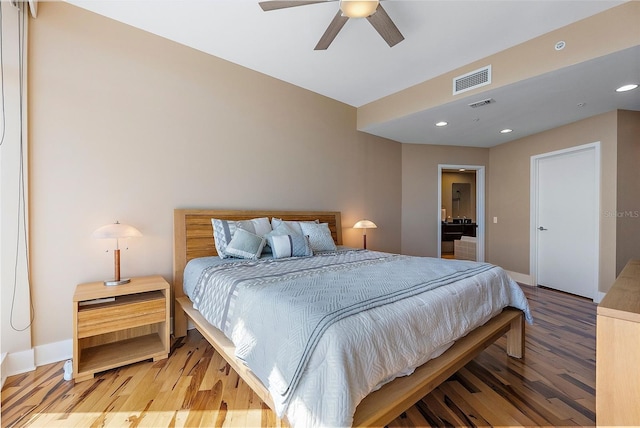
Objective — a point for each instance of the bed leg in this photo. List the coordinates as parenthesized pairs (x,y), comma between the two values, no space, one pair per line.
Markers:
(179,322)
(515,337)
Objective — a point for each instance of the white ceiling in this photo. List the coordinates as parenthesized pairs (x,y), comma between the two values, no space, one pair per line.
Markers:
(359,67)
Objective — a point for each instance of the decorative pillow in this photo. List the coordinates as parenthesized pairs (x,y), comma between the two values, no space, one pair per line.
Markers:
(223,231)
(295,225)
(319,236)
(293,245)
(261,226)
(282,228)
(245,245)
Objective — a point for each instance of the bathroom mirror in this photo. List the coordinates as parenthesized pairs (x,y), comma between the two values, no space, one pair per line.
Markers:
(461,200)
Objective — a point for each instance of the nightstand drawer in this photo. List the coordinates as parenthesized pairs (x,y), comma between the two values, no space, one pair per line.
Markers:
(125,312)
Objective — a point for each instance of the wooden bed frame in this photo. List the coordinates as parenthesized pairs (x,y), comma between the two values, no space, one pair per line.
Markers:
(193,237)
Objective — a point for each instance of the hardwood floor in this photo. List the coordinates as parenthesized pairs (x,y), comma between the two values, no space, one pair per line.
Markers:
(553,386)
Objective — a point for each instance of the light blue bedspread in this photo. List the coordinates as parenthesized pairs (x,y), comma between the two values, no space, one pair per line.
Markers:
(275,311)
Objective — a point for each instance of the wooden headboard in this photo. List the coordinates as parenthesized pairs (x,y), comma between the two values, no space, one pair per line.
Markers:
(193,232)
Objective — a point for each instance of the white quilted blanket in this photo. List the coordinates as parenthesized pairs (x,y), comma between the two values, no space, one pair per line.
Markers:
(323,332)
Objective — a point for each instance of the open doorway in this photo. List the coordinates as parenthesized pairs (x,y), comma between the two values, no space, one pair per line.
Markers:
(461,213)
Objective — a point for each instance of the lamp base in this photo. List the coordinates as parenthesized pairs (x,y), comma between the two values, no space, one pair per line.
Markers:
(118,282)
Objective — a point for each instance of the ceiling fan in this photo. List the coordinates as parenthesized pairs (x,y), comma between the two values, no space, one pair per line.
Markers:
(370,9)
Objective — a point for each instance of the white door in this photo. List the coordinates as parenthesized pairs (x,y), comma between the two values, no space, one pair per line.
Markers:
(567,221)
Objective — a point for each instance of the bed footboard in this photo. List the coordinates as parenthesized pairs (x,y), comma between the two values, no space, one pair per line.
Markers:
(384,405)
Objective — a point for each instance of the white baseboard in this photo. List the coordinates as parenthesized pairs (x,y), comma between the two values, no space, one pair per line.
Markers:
(528,280)
(3,372)
(521,278)
(17,363)
(53,352)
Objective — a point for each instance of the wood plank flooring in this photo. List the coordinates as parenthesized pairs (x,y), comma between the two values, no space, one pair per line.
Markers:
(553,386)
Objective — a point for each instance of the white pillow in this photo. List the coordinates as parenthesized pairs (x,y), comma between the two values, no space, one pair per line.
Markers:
(261,226)
(245,245)
(282,228)
(295,225)
(223,231)
(319,236)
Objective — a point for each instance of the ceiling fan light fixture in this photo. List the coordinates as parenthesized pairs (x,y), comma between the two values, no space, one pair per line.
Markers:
(358,8)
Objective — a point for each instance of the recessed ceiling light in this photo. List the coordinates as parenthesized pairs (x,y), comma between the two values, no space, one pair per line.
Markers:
(462,170)
(626,88)
(581,104)
(506,131)
(442,123)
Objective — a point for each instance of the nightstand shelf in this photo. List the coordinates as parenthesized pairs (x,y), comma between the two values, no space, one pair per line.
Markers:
(117,354)
(131,325)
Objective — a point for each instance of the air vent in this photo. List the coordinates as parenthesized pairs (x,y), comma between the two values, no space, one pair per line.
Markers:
(469,81)
(482,103)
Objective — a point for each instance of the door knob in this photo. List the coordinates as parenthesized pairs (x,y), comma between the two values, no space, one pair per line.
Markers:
(542,228)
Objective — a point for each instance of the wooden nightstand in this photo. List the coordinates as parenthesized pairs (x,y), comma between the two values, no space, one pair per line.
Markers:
(131,325)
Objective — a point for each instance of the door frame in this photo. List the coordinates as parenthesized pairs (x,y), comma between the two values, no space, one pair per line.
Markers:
(533,206)
(480,204)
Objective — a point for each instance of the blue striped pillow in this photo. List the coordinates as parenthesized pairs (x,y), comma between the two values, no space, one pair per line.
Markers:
(293,245)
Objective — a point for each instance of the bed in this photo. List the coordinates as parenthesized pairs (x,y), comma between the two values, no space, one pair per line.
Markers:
(193,236)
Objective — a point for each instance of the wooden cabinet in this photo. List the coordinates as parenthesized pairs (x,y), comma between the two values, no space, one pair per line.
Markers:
(451,232)
(618,351)
(454,231)
(118,325)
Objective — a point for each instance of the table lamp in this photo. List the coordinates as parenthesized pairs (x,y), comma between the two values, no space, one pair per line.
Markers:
(116,231)
(364,225)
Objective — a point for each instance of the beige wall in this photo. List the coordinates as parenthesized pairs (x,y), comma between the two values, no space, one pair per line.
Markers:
(128,126)
(628,192)
(420,209)
(509,184)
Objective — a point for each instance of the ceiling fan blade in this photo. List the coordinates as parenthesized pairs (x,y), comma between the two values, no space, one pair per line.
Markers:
(274,5)
(332,31)
(385,27)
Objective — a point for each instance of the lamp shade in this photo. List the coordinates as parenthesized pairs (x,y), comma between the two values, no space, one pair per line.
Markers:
(365,224)
(358,8)
(116,231)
